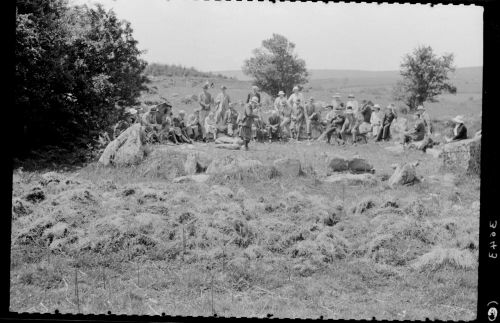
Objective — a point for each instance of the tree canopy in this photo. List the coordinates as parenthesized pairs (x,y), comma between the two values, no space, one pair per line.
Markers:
(425,76)
(275,67)
(77,68)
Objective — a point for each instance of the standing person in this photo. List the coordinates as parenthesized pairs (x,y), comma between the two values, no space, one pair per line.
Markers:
(460,131)
(231,120)
(376,120)
(351,101)
(280,103)
(385,131)
(285,112)
(426,118)
(247,121)
(205,101)
(222,105)
(418,131)
(296,95)
(273,128)
(336,101)
(311,117)
(254,93)
(298,118)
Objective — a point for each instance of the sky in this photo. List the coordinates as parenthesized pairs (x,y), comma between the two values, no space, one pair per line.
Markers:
(220,35)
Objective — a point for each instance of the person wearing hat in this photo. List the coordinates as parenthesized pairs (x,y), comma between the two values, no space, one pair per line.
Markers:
(311,117)
(280,102)
(247,121)
(298,118)
(273,128)
(366,110)
(353,103)
(335,120)
(206,101)
(348,127)
(459,131)
(222,105)
(122,125)
(417,133)
(336,100)
(294,96)
(376,120)
(182,124)
(210,126)
(426,118)
(384,132)
(255,92)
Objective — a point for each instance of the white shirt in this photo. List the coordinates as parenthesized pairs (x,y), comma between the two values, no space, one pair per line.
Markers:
(293,98)
(354,104)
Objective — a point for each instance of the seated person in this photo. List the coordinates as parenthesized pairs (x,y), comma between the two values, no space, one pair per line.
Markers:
(460,131)
(334,121)
(417,133)
(177,131)
(232,120)
(152,125)
(193,126)
(273,127)
(167,131)
(210,125)
(182,123)
(350,125)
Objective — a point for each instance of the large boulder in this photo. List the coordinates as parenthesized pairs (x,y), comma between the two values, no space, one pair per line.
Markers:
(229,140)
(463,155)
(230,164)
(288,166)
(434,152)
(125,150)
(352,179)
(354,165)
(404,174)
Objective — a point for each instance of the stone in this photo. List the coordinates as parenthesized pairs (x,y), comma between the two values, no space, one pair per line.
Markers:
(226,164)
(337,164)
(229,140)
(463,156)
(20,208)
(196,162)
(228,146)
(434,152)
(404,174)
(360,165)
(198,178)
(36,195)
(352,179)
(397,149)
(288,166)
(51,177)
(447,180)
(125,150)
(221,191)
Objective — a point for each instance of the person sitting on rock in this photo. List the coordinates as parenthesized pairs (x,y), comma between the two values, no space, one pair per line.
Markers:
(231,120)
(273,127)
(177,131)
(183,124)
(167,131)
(122,125)
(210,125)
(426,119)
(349,126)
(417,133)
(385,130)
(460,131)
(335,120)
(152,126)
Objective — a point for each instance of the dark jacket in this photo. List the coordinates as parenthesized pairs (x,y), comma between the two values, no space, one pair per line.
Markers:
(461,133)
(388,118)
(251,95)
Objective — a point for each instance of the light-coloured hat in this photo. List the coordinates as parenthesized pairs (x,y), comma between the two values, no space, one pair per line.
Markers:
(336,95)
(351,96)
(255,87)
(295,88)
(458,119)
(182,112)
(132,111)
(281,93)
(255,99)
(376,106)
(420,108)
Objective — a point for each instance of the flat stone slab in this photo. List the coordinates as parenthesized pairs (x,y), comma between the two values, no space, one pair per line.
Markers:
(199,178)
(436,153)
(352,179)
(398,149)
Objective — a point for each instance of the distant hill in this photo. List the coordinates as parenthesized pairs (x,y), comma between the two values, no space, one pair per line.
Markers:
(157,69)
(465,78)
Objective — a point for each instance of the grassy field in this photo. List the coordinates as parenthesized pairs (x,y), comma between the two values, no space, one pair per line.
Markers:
(131,241)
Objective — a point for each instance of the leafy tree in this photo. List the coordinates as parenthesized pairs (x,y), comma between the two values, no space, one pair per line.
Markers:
(275,67)
(425,76)
(77,68)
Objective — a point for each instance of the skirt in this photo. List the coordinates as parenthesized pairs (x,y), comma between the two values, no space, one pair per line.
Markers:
(246,133)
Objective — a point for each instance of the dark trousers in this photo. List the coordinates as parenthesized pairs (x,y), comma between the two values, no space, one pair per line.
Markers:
(331,130)
(384,132)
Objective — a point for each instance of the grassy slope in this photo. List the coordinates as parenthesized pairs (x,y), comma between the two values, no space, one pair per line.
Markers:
(271,249)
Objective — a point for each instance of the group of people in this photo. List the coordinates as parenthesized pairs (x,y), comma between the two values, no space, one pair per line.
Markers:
(289,118)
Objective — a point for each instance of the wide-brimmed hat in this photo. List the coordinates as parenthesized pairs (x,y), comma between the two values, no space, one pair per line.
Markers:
(132,111)
(376,106)
(420,108)
(255,87)
(350,96)
(458,119)
(182,112)
(336,95)
(295,88)
(255,99)
(281,93)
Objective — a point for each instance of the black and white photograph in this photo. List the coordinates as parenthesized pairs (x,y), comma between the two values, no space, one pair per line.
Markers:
(247,159)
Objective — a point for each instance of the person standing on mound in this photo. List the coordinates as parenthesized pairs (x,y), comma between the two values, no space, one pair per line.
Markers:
(247,121)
